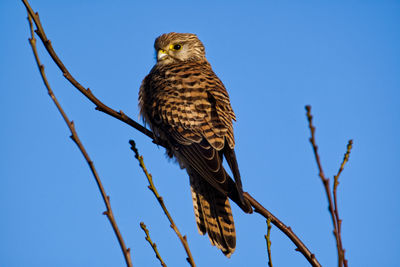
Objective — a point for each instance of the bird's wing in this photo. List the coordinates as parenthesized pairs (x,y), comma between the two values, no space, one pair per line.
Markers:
(190,105)
(192,100)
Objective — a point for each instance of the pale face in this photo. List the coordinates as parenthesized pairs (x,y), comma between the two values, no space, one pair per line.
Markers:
(175,51)
(178,47)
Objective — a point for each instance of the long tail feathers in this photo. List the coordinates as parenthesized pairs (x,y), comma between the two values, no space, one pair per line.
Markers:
(213,215)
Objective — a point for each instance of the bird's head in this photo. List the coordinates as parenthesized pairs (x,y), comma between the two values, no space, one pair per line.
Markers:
(178,47)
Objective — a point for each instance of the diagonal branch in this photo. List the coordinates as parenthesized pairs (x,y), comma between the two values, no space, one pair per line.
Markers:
(74,136)
(285,229)
(124,118)
(160,200)
(86,92)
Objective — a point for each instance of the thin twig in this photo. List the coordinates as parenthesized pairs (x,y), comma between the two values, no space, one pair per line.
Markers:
(325,182)
(268,240)
(285,229)
(75,138)
(335,185)
(160,200)
(153,245)
(124,118)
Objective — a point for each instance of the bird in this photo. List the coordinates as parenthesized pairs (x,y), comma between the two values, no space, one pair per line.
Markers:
(188,109)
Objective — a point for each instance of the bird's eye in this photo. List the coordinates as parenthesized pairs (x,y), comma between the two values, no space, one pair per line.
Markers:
(176,47)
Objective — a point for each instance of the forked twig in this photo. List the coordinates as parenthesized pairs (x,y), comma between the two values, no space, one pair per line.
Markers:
(77,141)
(160,200)
(152,244)
(268,240)
(332,205)
(124,118)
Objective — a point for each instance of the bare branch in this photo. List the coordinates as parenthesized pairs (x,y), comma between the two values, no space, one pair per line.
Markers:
(86,92)
(75,138)
(268,240)
(285,229)
(325,182)
(160,200)
(335,185)
(153,245)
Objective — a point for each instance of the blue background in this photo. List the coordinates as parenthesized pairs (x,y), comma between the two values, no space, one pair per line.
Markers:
(341,57)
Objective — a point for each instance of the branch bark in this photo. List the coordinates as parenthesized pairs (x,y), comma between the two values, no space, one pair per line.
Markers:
(285,229)
(268,240)
(160,200)
(74,136)
(152,244)
(335,185)
(332,205)
(120,115)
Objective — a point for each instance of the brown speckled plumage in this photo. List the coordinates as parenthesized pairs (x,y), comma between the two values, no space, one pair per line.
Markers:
(188,108)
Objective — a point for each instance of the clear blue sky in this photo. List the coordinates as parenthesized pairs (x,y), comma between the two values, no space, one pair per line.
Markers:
(343,58)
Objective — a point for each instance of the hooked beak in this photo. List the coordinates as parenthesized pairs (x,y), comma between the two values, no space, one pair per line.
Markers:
(161,54)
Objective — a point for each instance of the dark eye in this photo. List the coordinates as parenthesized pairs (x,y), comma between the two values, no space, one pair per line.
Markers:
(177,47)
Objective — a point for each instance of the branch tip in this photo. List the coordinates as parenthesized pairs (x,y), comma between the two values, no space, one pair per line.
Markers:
(281,226)
(268,240)
(152,244)
(161,202)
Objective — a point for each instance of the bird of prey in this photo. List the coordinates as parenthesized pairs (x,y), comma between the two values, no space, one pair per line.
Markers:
(188,109)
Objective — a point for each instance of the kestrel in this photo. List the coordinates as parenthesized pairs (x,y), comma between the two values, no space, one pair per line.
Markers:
(188,109)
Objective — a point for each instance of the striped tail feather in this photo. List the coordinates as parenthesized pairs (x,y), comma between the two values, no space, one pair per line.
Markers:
(213,215)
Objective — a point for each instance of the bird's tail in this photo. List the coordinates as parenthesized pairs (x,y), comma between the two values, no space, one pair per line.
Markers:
(213,215)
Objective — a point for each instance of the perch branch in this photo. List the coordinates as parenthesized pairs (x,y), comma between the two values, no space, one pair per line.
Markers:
(77,141)
(153,245)
(285,229)
(268,240)
(86,92)
(124,118)
(160,200)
